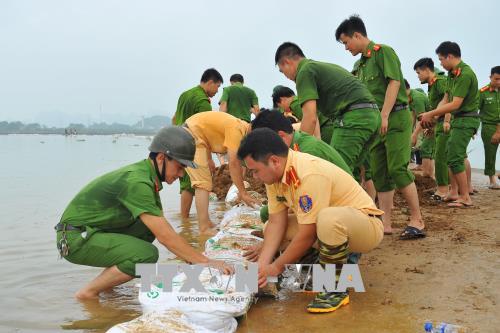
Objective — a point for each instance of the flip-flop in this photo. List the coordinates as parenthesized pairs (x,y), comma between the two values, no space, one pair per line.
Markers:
(494,187)
(412,233)
(446,199)
(473,192)
(437,197)
(459,204)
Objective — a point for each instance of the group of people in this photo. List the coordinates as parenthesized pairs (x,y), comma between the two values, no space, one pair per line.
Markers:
(326,156)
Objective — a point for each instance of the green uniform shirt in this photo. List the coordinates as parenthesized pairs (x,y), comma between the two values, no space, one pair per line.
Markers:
(462,82)
(333,87)
(297,112)
(418,101)
(116,199)
(191,102)
(380,64)
(311,145)
(240,100)
(436,90)
(489,105)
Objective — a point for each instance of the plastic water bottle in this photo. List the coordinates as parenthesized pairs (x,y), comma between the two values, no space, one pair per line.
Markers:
(444,328)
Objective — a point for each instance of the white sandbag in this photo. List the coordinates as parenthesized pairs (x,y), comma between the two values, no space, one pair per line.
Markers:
(232,194)
(242,216)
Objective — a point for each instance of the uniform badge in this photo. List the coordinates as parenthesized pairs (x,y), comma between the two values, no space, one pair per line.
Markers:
(305,203)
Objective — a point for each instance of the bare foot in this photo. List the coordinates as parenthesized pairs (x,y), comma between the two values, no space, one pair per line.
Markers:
(419,224)
(83,295)
(208,232)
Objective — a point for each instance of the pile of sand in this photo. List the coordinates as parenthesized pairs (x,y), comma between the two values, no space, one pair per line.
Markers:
(222,182)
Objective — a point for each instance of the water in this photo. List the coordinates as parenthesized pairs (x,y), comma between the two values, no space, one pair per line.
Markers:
(39,175)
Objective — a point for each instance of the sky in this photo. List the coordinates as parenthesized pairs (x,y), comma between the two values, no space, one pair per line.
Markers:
(115,61)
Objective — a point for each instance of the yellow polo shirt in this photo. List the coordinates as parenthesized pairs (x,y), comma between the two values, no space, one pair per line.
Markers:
(310,184)
(219,131)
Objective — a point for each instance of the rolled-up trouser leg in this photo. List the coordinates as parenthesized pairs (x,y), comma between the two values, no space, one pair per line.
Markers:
(427,147)
(462,130)
(201,176)
(440,155)
(185,184)
(490,150)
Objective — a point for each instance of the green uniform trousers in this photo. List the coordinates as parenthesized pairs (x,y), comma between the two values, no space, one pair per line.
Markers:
(462,131)
(122,247)
(326,132)
(366,165)
(185,184)
(354,134)
(427,147)
(390,155)
(440,155)
(490,150)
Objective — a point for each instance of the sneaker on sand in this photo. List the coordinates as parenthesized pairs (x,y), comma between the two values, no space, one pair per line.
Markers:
(328,302)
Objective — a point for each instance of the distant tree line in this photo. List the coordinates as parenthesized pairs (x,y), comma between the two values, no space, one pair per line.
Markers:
(147,126)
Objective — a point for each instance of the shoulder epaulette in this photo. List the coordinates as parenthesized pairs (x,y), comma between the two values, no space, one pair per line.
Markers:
(485,88)
(376,47)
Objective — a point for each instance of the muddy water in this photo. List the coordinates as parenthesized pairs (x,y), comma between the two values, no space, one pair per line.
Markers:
(38,177)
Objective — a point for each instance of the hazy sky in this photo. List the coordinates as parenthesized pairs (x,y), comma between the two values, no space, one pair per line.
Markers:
(95,60)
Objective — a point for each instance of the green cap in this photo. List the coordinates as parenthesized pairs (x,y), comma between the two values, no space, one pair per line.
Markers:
(177,143)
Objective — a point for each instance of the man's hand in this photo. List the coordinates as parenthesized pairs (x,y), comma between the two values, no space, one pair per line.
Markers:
(446,126)
(495,139)
(384,125)
(268,270)
(414,137)
(221,266)
(426,119)
(248,199)
(252,253)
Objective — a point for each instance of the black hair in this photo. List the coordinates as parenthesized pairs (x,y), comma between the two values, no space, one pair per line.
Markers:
(447,48)
(288,50)
(424,63)
(495,70)
(272,119)
(407,84)
(211,74)
(349,26)
(236,78)
(281,91)
(262,143)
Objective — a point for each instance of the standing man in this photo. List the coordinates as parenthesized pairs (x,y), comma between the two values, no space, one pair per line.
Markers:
(284,98)
(215,132)
(329,205)
(333,91)
(193,101)
(436,87)
(419,103)
(462,100)
(380,70)
(489,110)
(238,100)
(114,219)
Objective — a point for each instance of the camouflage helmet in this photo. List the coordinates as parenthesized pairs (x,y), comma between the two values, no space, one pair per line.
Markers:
(175,142)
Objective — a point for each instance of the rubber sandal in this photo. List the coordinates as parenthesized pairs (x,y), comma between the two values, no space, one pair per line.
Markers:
(459,204)
(412,233)
(437,197)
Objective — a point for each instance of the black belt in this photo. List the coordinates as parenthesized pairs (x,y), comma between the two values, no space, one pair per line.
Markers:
(463,114)
(60,226)
(399,107)
(362,106)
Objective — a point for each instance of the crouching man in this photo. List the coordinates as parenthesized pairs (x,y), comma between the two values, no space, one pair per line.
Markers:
(114,219)
(329,205)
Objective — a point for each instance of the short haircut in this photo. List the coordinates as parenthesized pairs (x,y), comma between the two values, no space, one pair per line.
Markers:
(495,70)
(349,26)
(288,50)
(236,78)
(211,74)
(447,48)
(407,84)
(424,63)
(281,91)
(262,143)
(272,119)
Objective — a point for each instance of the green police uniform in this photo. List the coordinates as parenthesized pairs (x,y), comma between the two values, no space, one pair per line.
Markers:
(107,213)
(419,103)
(390,154)
(462,82)
(489,111)
(325,124)
(345,100)
(436,91)
(309,144)
(240,100)
(191,102)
